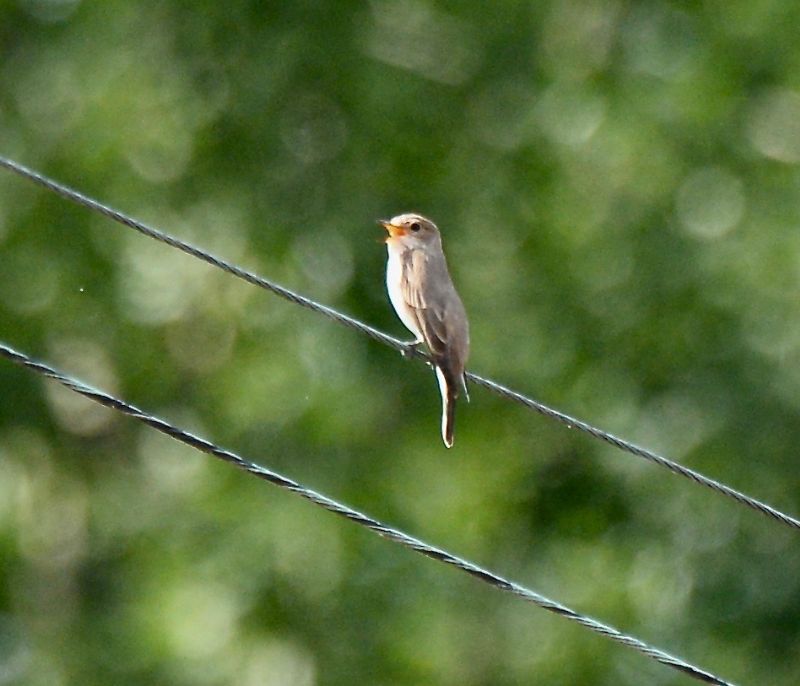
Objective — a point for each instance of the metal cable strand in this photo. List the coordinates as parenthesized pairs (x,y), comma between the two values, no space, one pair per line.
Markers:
(633,449)
(359,518)
(397,344)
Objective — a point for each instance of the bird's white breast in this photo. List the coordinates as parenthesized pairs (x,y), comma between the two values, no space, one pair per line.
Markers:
(394,280)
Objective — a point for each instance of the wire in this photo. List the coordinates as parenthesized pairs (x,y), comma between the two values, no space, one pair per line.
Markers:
(384,530)
(397,344)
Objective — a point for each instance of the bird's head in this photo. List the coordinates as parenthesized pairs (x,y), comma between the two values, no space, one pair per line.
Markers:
(410,230)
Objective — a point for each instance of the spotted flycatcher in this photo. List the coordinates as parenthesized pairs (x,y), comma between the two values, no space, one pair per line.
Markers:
(426,301)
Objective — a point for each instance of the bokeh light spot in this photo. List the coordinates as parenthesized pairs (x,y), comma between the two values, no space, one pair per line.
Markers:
(570,114)
(279,662)
(710,202)
(88,361)
(199,617)
(326,259)
(774,127)
(313,129)
(412,35)
(659,42)
(47,92)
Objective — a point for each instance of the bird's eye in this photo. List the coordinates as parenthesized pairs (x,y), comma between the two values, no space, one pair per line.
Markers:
(415,227)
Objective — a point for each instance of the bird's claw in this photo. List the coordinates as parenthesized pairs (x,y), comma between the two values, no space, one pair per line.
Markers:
(409,350)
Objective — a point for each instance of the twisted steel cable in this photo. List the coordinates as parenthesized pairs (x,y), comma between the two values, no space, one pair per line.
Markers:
(397,344)
(361,519)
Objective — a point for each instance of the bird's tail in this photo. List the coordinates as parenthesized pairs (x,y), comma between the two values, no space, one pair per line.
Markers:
(449,391)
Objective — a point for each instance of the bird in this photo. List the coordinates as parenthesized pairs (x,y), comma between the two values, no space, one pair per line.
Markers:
(425,299)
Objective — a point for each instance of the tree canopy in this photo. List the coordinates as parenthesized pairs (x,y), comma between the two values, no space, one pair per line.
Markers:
(618,189)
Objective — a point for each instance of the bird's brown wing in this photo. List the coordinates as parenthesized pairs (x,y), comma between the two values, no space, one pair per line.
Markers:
(427,288)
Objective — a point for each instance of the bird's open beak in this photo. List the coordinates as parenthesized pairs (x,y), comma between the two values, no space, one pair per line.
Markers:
(393,229)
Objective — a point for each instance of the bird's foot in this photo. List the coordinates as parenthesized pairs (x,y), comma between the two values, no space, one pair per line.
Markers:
(410,350)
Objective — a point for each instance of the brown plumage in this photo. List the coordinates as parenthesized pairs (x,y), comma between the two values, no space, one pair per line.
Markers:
(426,301)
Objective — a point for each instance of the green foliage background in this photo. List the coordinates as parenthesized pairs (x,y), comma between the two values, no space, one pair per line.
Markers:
(618,188)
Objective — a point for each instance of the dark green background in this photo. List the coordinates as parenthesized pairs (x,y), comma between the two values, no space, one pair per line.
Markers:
(618,188)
